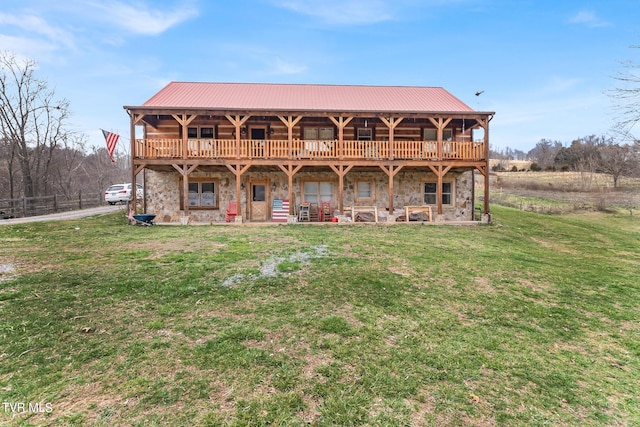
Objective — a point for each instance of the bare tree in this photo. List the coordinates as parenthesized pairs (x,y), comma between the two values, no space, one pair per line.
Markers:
(617,160)
(544,153)
(31,120)
(627,94)
(67,173)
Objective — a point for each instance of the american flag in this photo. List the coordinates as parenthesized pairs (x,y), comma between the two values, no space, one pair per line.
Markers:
(112,140)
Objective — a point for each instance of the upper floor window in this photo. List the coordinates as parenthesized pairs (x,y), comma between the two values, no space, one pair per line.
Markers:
(365,134)
(201,132)
(432,135)
(322,134)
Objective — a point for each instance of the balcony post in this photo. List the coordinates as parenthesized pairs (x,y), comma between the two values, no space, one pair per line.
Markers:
(290,122)
(341,123)
(391,123)
(238,121)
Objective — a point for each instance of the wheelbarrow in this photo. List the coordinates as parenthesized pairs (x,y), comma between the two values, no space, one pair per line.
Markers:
(144,219)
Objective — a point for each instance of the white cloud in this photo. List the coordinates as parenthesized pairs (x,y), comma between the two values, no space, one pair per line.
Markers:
(588,18)
(36,26)
(342,12)
(285,67)
(141,19)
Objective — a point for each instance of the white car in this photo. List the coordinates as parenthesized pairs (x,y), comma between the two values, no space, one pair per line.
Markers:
(121,193)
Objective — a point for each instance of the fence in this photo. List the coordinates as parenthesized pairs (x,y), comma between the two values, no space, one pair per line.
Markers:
(32,206)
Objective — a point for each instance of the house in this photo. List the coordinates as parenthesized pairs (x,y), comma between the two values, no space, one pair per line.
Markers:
(201,146)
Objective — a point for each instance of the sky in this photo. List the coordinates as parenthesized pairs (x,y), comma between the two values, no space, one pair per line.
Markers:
(545,67)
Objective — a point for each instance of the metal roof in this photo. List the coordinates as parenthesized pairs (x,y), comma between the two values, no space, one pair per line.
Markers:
(305,97)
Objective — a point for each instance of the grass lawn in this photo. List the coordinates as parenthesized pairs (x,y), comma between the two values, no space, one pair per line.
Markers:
(534,320)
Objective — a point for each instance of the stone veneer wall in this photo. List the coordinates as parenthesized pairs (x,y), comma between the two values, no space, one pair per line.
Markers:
(162,195)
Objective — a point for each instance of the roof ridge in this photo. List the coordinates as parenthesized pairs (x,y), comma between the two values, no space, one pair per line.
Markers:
(303,84)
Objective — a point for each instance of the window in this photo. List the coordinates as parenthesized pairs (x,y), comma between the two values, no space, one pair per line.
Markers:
(202,132)
(202,194)
(432,135)
(323,134)
(206,133)
(364,191)
(315,192)
(365,134)
(431,195)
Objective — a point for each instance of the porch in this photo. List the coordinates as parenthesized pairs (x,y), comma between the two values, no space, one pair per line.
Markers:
(273,194)
(299,149)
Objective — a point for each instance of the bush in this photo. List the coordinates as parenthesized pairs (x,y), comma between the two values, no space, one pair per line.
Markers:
(535,167)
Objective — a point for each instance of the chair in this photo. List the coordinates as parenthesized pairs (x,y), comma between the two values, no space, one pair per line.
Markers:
(314,212)
(232,211)
(303,213)
(325,210)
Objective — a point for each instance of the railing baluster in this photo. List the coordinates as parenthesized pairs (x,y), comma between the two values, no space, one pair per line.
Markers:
(301,149)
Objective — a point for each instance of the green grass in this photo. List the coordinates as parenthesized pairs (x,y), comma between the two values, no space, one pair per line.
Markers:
(530,321)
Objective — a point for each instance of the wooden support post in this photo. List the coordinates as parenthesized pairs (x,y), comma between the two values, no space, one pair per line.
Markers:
(341,171)
(485,124)
(391,123)
(440,124)
(184,120)
(391,172)
(184,170)
(238,170)
(238,121)
(341,123)
(290,170)
(132,132)
(290,122)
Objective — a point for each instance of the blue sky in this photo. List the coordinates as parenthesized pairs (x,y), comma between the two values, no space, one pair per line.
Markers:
(545,66)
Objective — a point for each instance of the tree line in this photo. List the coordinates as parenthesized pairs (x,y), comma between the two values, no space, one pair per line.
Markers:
(589,154)
(39,154)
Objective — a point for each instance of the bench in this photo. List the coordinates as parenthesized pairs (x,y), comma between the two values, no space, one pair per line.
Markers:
(408,210)
(373,209)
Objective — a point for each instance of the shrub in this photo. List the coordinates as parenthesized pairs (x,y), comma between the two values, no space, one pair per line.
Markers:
(535,167)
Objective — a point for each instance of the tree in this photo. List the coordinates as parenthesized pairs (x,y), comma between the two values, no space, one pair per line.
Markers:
(32,123)
(617,160)
(544,153)
(627,94)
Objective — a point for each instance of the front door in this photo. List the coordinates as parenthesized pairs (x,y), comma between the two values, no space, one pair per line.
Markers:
(259,205)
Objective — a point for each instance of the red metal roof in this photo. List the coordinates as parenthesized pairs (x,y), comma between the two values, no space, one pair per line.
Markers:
(305,97)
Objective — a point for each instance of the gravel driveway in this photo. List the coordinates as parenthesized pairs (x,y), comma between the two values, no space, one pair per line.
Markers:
(66,215)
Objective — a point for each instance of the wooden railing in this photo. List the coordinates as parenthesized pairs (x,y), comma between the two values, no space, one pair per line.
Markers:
(308,149)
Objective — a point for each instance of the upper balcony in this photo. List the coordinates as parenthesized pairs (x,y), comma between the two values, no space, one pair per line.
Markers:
(277,149)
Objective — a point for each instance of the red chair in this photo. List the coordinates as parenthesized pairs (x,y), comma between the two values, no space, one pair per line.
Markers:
(232,211)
